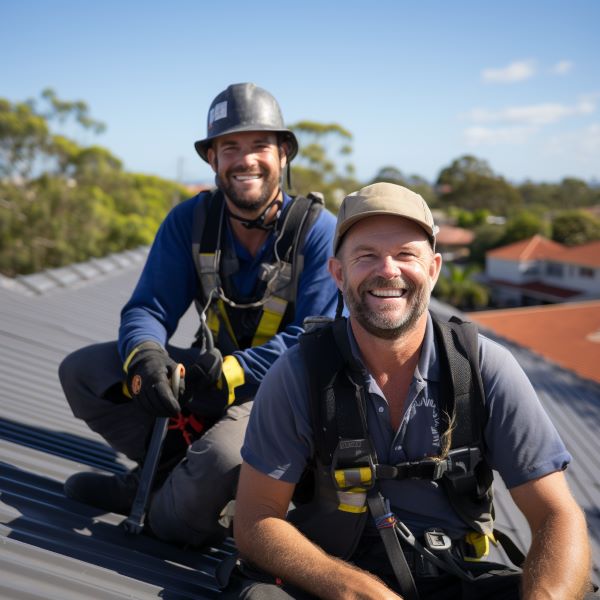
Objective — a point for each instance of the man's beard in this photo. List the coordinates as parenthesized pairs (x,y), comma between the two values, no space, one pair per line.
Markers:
(248,201)
(384,324)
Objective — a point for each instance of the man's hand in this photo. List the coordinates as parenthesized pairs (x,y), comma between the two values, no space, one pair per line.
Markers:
(149,371)
(267,540)
(206,386)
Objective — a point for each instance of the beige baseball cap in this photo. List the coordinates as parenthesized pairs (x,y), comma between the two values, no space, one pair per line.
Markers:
(383,199)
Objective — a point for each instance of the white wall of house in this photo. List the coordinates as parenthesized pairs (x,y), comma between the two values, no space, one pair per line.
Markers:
(574,277)
(510,270)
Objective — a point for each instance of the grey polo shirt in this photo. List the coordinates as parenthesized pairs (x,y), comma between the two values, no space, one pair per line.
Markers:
(522,444)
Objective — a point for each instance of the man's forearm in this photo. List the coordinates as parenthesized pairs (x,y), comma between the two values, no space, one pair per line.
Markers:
(558,562)
(278,547)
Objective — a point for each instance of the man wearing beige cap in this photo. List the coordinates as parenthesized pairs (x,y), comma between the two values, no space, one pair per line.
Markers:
(382,430)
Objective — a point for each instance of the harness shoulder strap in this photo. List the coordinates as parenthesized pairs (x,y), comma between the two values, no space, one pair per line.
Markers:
(460,352)
(205,231)
(296,221)
(323,361)
(469,490)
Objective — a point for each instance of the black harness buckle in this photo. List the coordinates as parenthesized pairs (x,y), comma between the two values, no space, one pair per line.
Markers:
(436,540)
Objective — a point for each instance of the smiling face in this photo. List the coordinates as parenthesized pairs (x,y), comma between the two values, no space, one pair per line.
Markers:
(386,270)
(248,168)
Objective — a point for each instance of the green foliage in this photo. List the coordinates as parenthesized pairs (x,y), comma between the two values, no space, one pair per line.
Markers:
(570,193)
(470,183)
(575,227)
(323,163)
(61,202)
(523,226)
(457,286)
(469,219)
(487,237)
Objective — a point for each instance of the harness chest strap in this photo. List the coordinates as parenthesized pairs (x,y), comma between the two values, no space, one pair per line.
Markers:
(279,279)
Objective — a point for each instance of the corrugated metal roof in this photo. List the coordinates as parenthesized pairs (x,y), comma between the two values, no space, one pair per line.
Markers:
(53,547)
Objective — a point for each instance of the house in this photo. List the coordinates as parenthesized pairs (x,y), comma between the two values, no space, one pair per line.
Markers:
(453,242)
(540,271)
(54,547)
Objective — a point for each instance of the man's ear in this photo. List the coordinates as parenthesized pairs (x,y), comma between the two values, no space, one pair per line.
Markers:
(435,268)
(335,270)
(211,155)
(283,153)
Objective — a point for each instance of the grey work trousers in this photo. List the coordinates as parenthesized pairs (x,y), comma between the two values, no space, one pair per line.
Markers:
(186,508)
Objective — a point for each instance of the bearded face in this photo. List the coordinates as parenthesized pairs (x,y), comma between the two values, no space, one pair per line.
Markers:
(386,320)
(248,168)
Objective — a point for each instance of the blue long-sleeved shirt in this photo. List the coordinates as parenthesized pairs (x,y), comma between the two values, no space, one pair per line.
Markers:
(169,283)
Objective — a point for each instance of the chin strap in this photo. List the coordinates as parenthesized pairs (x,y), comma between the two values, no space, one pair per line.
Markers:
(259,222)
(340,305)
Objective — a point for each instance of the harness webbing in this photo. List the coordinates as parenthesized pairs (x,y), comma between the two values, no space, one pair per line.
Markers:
(273,299)
(337,377)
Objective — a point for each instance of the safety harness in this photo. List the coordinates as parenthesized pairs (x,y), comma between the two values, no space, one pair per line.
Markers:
(238,323)
(346,455)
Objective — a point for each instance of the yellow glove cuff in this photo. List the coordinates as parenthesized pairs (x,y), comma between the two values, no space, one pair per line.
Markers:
(234,376)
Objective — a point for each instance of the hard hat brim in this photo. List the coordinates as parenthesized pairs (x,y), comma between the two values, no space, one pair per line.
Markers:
(203,145)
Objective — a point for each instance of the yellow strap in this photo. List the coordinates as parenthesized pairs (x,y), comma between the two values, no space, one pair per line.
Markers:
(480,544)
(352,509)
(223,314)
(353,477)
(270,320)
(234,376)
(212,320)
(129,358)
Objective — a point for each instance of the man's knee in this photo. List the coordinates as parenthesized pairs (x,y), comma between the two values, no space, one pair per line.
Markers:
(188,506)
(88,373)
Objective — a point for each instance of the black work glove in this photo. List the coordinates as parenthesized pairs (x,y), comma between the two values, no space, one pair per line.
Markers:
(205,385)
(148,380)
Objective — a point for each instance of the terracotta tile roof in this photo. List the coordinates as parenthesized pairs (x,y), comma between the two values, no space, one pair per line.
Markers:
(454,236)
(535,248)
(566,334)
(587,255)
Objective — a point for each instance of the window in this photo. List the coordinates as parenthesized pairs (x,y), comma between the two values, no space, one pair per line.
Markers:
(587,272)
(554,269)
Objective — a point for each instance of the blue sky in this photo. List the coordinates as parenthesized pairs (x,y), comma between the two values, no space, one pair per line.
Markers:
(516,83)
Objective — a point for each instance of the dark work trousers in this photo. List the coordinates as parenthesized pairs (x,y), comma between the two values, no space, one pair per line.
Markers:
(186,508)
(493,581)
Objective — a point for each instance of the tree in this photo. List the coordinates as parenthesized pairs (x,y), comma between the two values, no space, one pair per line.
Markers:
(571,193)
(323,162)
(62,202)
(487,237)
(456,286)
(470,183)
(575,227)
(523,226)
(24,135)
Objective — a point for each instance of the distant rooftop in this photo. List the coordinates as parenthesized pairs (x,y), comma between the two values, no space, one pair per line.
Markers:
(534,248)
(541,248)
(566,334)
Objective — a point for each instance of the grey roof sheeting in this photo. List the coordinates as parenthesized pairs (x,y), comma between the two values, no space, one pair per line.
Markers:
(53,547)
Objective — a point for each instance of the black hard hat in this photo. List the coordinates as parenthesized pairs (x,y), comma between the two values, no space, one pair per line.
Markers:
(245,107)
